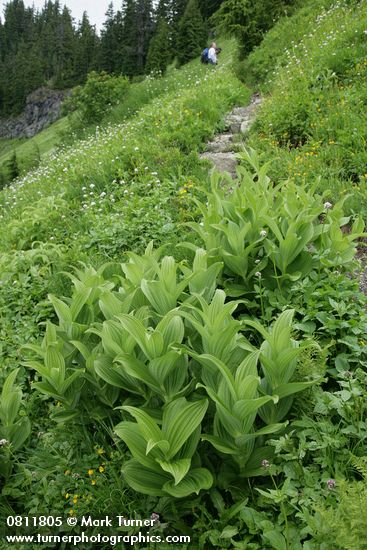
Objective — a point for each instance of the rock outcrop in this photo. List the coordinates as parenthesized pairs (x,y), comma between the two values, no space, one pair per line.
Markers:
(43,107)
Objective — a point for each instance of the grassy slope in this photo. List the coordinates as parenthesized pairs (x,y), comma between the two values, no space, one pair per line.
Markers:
(312,125)
(127,184)
(28,151)
(116,191)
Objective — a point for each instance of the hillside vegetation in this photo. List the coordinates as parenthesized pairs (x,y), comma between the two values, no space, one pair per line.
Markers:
(312,125)
(192,349)
(29,152)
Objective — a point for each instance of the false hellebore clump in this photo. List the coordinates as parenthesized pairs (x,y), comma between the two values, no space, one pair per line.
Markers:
(178,356)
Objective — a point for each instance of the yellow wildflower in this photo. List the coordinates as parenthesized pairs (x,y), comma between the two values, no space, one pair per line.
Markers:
(90,472)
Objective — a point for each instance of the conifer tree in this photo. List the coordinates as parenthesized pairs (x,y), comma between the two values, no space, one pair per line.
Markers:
(2,41)
(119,35)
(128,51)
(176,10)
(208,7)
(163,11)
(144,25)
(86,50)
(191,33)
(108,42)
(65,47)
(249,20)
(137,32)
(160,50)
(12,166)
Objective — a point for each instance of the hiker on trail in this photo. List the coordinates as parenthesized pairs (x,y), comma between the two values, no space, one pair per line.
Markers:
(212,54)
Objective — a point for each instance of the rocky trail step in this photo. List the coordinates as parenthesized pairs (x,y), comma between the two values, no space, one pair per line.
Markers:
(221,151)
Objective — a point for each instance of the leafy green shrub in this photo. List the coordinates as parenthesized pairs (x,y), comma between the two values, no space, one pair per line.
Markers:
(98,95)
(140,357)
(331,307)
(161,454)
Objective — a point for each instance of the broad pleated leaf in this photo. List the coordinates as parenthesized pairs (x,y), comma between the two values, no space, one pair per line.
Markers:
(19,433)
(114,375)
(62,310)
(193,482)
(148,427)
(160,299)
(138,331)
(144,480)
(138,369)
(78,301)
(177,468)
(247,407)
(293,387)
(172,329)
(248,367)
(130,434)
(180,419)
(220,444)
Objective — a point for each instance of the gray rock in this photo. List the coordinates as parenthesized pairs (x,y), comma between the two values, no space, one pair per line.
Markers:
(233,123)
(245,126)
(220,144)
(43,107)
(223,162)
(240,111)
